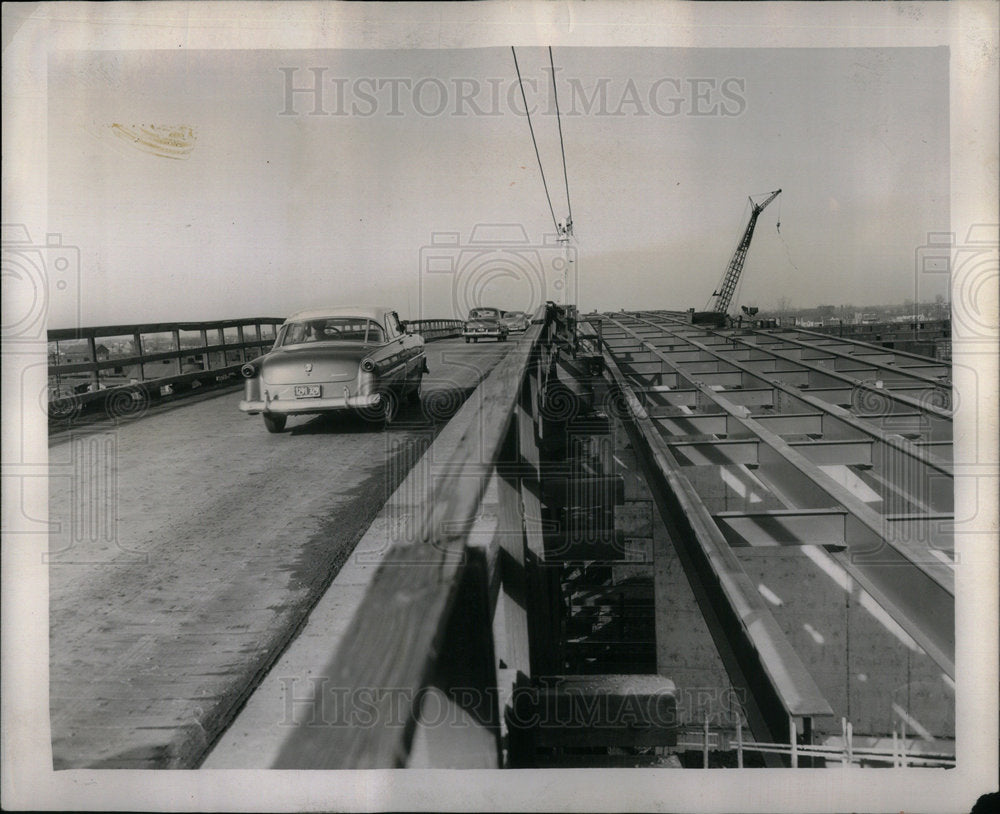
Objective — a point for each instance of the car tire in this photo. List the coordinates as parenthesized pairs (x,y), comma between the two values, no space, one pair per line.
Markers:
(466,340)
(274,422)
(388,406)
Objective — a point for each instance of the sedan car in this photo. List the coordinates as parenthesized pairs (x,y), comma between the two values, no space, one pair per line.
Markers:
(334,359)
(515,321)
(484,323)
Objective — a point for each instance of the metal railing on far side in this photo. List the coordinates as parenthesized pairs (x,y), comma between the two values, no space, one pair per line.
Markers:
(122,366)
(434,328)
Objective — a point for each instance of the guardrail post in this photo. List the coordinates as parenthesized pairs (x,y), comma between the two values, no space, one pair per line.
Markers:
(137,339)
(807,741)
(704,747)
(95,377)
(206,362)
(739,742)
(793,742)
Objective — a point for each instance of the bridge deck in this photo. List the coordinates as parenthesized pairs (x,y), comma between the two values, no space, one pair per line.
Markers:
(190,546)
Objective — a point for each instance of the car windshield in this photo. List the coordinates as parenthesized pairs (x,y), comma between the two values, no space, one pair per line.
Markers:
(484,313)
(331,329)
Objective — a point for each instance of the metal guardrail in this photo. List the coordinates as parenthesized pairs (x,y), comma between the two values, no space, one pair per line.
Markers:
(420,649)
(434,328)
(123,366)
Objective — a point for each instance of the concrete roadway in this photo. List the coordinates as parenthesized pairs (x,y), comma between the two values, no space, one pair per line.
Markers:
(188,547)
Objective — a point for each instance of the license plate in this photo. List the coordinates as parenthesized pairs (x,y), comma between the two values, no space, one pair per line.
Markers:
(307,391)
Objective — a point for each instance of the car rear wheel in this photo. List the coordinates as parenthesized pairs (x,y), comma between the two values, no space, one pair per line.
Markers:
(274,423)
(467,340)
(388,406)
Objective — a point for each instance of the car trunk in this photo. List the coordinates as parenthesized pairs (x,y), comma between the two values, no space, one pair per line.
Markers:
(331,362)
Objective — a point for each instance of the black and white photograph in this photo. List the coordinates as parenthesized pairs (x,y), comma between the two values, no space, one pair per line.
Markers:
(500,406)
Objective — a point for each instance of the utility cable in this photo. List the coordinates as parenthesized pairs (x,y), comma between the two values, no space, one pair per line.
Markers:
(533,141)
(562,147)
(788,252)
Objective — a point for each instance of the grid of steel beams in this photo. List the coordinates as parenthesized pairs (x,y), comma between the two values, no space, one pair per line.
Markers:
(792,439)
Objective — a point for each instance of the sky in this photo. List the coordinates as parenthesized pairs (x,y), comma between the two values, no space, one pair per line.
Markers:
(393,193)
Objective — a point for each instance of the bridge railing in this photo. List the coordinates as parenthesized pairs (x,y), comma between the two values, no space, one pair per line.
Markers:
(434,328)
(126,365)
(418,662)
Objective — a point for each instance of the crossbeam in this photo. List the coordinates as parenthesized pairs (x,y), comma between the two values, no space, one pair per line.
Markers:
(784,527)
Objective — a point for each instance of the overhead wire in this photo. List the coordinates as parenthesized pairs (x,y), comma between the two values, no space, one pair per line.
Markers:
(538,156)
(562,146)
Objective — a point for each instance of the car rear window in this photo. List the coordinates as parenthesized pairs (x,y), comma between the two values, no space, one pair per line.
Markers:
(332,329)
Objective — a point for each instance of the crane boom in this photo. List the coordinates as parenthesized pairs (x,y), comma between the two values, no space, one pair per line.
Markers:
(723,297)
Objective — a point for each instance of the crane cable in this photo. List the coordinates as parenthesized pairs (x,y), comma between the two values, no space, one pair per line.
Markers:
(534,141)
(781,237)
(562,148)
